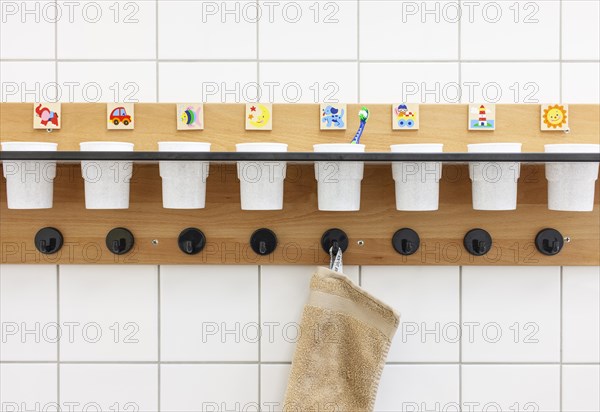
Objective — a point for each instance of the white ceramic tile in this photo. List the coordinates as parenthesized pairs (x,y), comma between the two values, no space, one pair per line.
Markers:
(27,29)
(28,387)
(273,383)
(511,387)
(427,299)
(297,30)
(581,314)
(284,291)
(510,82)
(109,387)
(91,82)
(28,311)
(119,29)
(511,314)
(409,30)
(109,312)
(515,30)
(209,388)
(208,82)
(309,82)
(409,82)
(27,82)
(418,388)
(580,30)
(581,388)
(207,29)
(209,313)
(581,83)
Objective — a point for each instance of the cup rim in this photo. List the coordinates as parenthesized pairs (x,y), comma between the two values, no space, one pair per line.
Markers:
(498,147)
(50,145)
(108,145)
(590,147)
(438,146)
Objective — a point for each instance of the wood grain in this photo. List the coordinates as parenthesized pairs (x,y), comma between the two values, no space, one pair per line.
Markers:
(300,225)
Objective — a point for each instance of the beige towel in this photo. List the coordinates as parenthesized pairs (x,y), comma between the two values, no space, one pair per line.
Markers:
(345,337)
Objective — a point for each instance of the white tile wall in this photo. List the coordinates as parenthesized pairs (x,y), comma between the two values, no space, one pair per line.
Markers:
(347,50)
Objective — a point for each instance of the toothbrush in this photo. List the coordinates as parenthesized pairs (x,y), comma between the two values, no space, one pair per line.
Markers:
(363,115)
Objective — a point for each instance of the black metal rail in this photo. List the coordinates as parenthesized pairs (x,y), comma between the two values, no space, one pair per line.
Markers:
(73,156)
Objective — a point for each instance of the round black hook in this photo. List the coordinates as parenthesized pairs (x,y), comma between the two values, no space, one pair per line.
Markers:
(478,242)
(263,241)
(48,240)
(549,241)
(406,241)
(335,238)
(191,241)
(119,240)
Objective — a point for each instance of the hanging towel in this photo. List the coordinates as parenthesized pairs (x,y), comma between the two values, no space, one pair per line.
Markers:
(340,354)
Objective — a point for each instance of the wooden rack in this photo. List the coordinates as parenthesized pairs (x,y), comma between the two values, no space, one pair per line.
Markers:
(299,226)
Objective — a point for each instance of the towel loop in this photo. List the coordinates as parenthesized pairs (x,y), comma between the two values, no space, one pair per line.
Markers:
(549,241)
(477,242)
(334,238)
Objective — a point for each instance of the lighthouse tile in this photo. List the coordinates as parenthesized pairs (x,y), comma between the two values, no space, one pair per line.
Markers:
(482,116)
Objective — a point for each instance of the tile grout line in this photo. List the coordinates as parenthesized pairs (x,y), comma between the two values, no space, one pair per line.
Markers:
(159,354)
(369,61)
(358,61)
(460,347)
(260,335)
(58,340)
(459,62)
(258,61)
(560,373)
(157,93)
(560,56)
(56,50)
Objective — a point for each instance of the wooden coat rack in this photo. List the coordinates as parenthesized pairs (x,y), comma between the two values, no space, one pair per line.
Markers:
(300,225)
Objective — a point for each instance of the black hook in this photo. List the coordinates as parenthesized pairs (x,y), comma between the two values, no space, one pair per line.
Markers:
(48,240)
(478,242)
(336,239)
(549,241)
(406,241)
(119,240)
(191,241)
(263,241)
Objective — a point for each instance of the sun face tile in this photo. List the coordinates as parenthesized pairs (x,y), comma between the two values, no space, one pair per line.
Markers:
(333,116)
(120,116)
(46,115)
(554,117)
(259,116)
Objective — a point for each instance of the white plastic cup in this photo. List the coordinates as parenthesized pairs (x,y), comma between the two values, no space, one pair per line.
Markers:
(106,182)
(183,183)
(29,183)
(494,183)
(338,183)
(261,183)
(571,186)
(417,183)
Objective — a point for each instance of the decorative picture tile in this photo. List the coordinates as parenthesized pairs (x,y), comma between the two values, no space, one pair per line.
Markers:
(482,116)
(555,117)
(46,116)
(190,116)
(120,116)
(333,116)
(259,116)
(405,116)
